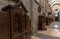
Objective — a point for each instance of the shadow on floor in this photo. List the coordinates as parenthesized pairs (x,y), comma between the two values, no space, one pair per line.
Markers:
(43,36)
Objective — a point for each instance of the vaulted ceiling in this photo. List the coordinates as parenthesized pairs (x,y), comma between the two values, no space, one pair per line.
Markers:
(54,4)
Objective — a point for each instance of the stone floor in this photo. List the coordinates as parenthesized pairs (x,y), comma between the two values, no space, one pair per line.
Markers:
(52,32)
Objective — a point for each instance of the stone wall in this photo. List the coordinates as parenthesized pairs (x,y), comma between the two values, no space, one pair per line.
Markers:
(26,4)
(31,6)
(2,4)
(46,8)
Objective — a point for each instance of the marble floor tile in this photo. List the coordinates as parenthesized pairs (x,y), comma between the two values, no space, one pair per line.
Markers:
(34,37)
(52,32)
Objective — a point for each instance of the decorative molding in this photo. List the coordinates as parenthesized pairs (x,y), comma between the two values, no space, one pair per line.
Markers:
(55,4)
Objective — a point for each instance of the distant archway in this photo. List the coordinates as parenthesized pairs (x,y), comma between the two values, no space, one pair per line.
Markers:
(55,4)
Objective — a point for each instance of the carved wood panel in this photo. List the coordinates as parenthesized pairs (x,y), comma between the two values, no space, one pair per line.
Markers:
(18,25)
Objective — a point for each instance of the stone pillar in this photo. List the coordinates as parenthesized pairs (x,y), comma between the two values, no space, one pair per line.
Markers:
(31,6)
(34,16)
(27,6)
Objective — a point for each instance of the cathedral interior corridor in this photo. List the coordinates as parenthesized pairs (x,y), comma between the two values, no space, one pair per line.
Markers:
(29,19)
(52,32)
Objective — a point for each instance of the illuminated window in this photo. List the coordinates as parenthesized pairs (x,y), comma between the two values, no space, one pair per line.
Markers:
(56,14)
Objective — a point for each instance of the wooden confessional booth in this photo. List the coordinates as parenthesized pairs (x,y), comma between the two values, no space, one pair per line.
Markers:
(41,22)
(14,22)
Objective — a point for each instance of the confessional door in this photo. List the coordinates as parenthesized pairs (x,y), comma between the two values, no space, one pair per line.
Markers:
(18,25)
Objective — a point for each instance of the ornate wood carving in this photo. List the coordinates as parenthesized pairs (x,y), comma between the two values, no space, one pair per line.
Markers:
(19,22)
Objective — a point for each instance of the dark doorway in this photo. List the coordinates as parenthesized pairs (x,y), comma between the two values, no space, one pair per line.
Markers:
(57,16)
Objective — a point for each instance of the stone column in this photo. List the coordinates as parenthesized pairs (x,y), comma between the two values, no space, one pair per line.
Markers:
(34,16)
(31,6)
